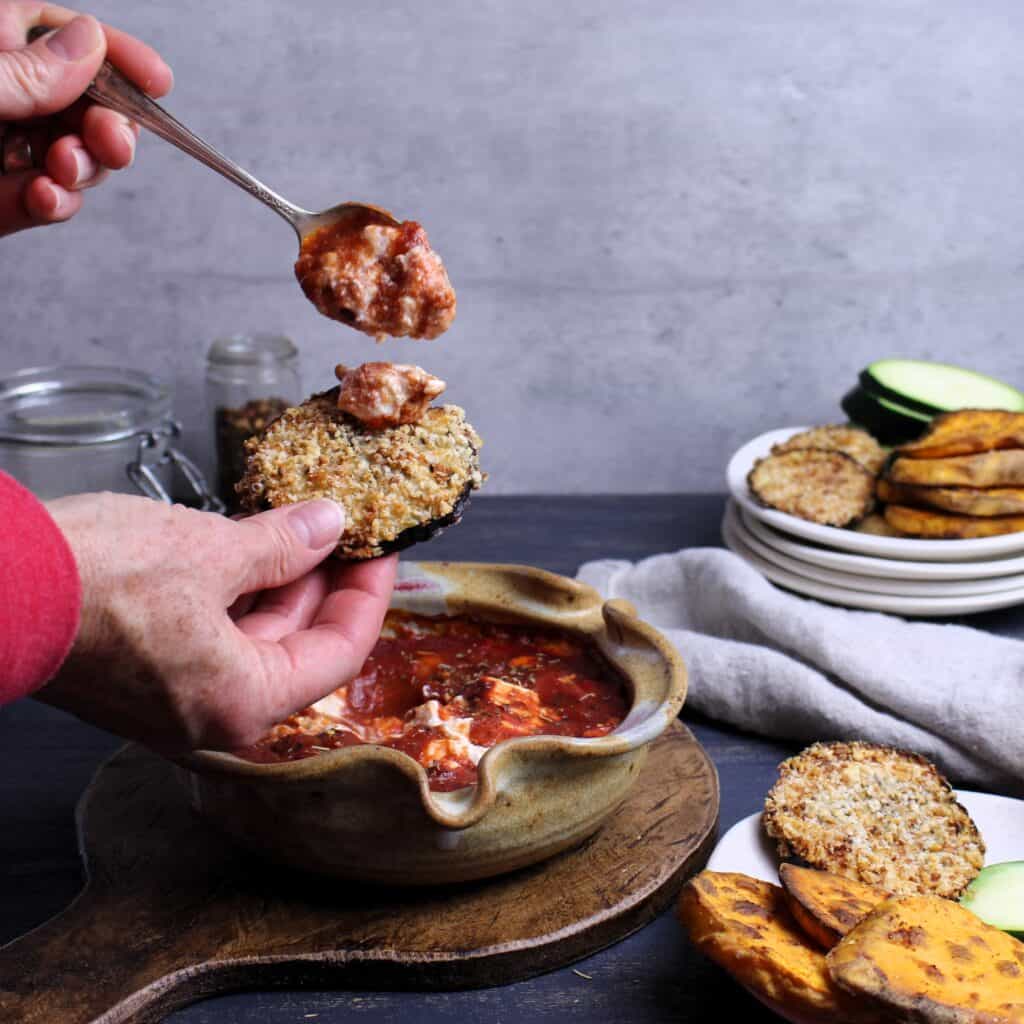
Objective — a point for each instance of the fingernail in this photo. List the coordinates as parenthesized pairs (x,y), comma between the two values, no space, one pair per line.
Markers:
(52,203)
(77,39)
(85,167)
(55,204)
(129,136)
(317,523)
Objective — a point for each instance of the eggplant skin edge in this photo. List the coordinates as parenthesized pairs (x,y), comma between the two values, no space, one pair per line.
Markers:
(419,533)
(423,532)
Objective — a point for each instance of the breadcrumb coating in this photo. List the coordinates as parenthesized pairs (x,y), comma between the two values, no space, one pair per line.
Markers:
(825,487)
(852,441)
(883,816)
(398,485)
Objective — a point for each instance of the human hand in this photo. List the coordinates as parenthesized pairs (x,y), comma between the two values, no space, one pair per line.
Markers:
(203,632)
(41,85)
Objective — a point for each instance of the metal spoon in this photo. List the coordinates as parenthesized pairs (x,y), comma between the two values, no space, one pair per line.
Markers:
(111,89)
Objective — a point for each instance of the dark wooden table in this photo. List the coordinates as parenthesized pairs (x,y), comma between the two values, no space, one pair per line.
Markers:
(47,758)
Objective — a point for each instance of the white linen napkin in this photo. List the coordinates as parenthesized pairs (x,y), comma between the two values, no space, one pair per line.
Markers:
(784,666)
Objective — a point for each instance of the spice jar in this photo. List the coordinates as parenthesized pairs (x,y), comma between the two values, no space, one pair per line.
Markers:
(250,380)
(73,429)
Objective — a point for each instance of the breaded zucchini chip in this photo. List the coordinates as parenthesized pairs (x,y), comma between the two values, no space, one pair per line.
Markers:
(820,486)
(399,485)
(883,816)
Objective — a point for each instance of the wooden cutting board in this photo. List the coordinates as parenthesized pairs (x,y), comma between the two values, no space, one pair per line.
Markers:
(172,912)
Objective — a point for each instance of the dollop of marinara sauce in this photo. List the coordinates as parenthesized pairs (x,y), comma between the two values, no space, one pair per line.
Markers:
(444,689)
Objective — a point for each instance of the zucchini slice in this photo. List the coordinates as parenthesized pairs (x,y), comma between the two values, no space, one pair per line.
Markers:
(931,388)
(997,896)
(888,422)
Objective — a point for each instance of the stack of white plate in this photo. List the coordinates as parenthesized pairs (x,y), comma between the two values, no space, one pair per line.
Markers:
(863,570)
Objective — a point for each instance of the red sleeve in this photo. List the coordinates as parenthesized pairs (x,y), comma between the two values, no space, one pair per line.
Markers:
(40,593)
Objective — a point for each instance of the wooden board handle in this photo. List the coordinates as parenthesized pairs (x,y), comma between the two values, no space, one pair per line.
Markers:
(98,962)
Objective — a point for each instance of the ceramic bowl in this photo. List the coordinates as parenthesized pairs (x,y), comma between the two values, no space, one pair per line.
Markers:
(365,812)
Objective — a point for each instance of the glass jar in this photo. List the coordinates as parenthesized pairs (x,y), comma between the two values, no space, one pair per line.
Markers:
(250,380)
(73,429)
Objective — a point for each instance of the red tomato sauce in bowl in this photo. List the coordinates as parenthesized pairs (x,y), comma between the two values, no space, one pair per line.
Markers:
(443,690)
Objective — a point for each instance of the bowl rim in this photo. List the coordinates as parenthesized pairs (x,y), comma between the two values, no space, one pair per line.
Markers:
(606,623)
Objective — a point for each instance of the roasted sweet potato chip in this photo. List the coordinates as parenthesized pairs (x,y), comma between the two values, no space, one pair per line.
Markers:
(919,522)
(925,958)
(876,525)
(967,431)
(827,906)
(968,501)
(743,924)
(988,469)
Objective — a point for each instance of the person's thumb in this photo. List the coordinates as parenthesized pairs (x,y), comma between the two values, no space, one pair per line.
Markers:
(53,72)
(276,547)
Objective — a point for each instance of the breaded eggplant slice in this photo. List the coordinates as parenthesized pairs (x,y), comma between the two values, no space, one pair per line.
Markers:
(883,816)
(398,485)
(852,441)
(825,487)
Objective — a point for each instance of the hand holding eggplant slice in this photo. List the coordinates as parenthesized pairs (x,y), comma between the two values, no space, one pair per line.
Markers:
(401,480)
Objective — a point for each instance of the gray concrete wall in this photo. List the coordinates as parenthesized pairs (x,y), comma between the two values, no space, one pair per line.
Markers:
(671,226)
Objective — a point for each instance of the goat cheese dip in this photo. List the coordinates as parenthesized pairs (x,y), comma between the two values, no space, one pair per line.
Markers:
(445,689)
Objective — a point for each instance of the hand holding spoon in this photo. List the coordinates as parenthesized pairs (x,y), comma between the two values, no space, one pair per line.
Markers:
(357,263)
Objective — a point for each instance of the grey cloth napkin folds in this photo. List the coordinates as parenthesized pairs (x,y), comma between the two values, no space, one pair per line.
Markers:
(784,666)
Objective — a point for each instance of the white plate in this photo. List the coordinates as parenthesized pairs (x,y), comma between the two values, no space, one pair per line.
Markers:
(866,565)
(1000,819)
(850,598)
(850,540)
(867,584)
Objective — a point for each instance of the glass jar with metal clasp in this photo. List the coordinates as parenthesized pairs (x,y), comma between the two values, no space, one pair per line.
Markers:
(74,429)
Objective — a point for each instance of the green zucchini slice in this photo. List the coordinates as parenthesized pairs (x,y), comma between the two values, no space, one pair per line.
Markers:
(997,896)
(888,422)
(931,388)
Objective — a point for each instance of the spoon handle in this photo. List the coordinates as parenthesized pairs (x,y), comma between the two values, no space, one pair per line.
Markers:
(111,89)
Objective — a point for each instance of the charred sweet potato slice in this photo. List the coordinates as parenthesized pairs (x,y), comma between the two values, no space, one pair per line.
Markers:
(987,469)
(924,958)
(967,431)
(919,522)
(744,926)
(968,501)
(827,906)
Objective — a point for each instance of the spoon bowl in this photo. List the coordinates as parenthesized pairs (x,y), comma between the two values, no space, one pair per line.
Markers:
(354,215)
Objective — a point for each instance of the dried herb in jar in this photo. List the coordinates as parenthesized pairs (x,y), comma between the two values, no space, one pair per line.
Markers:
(234,426)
